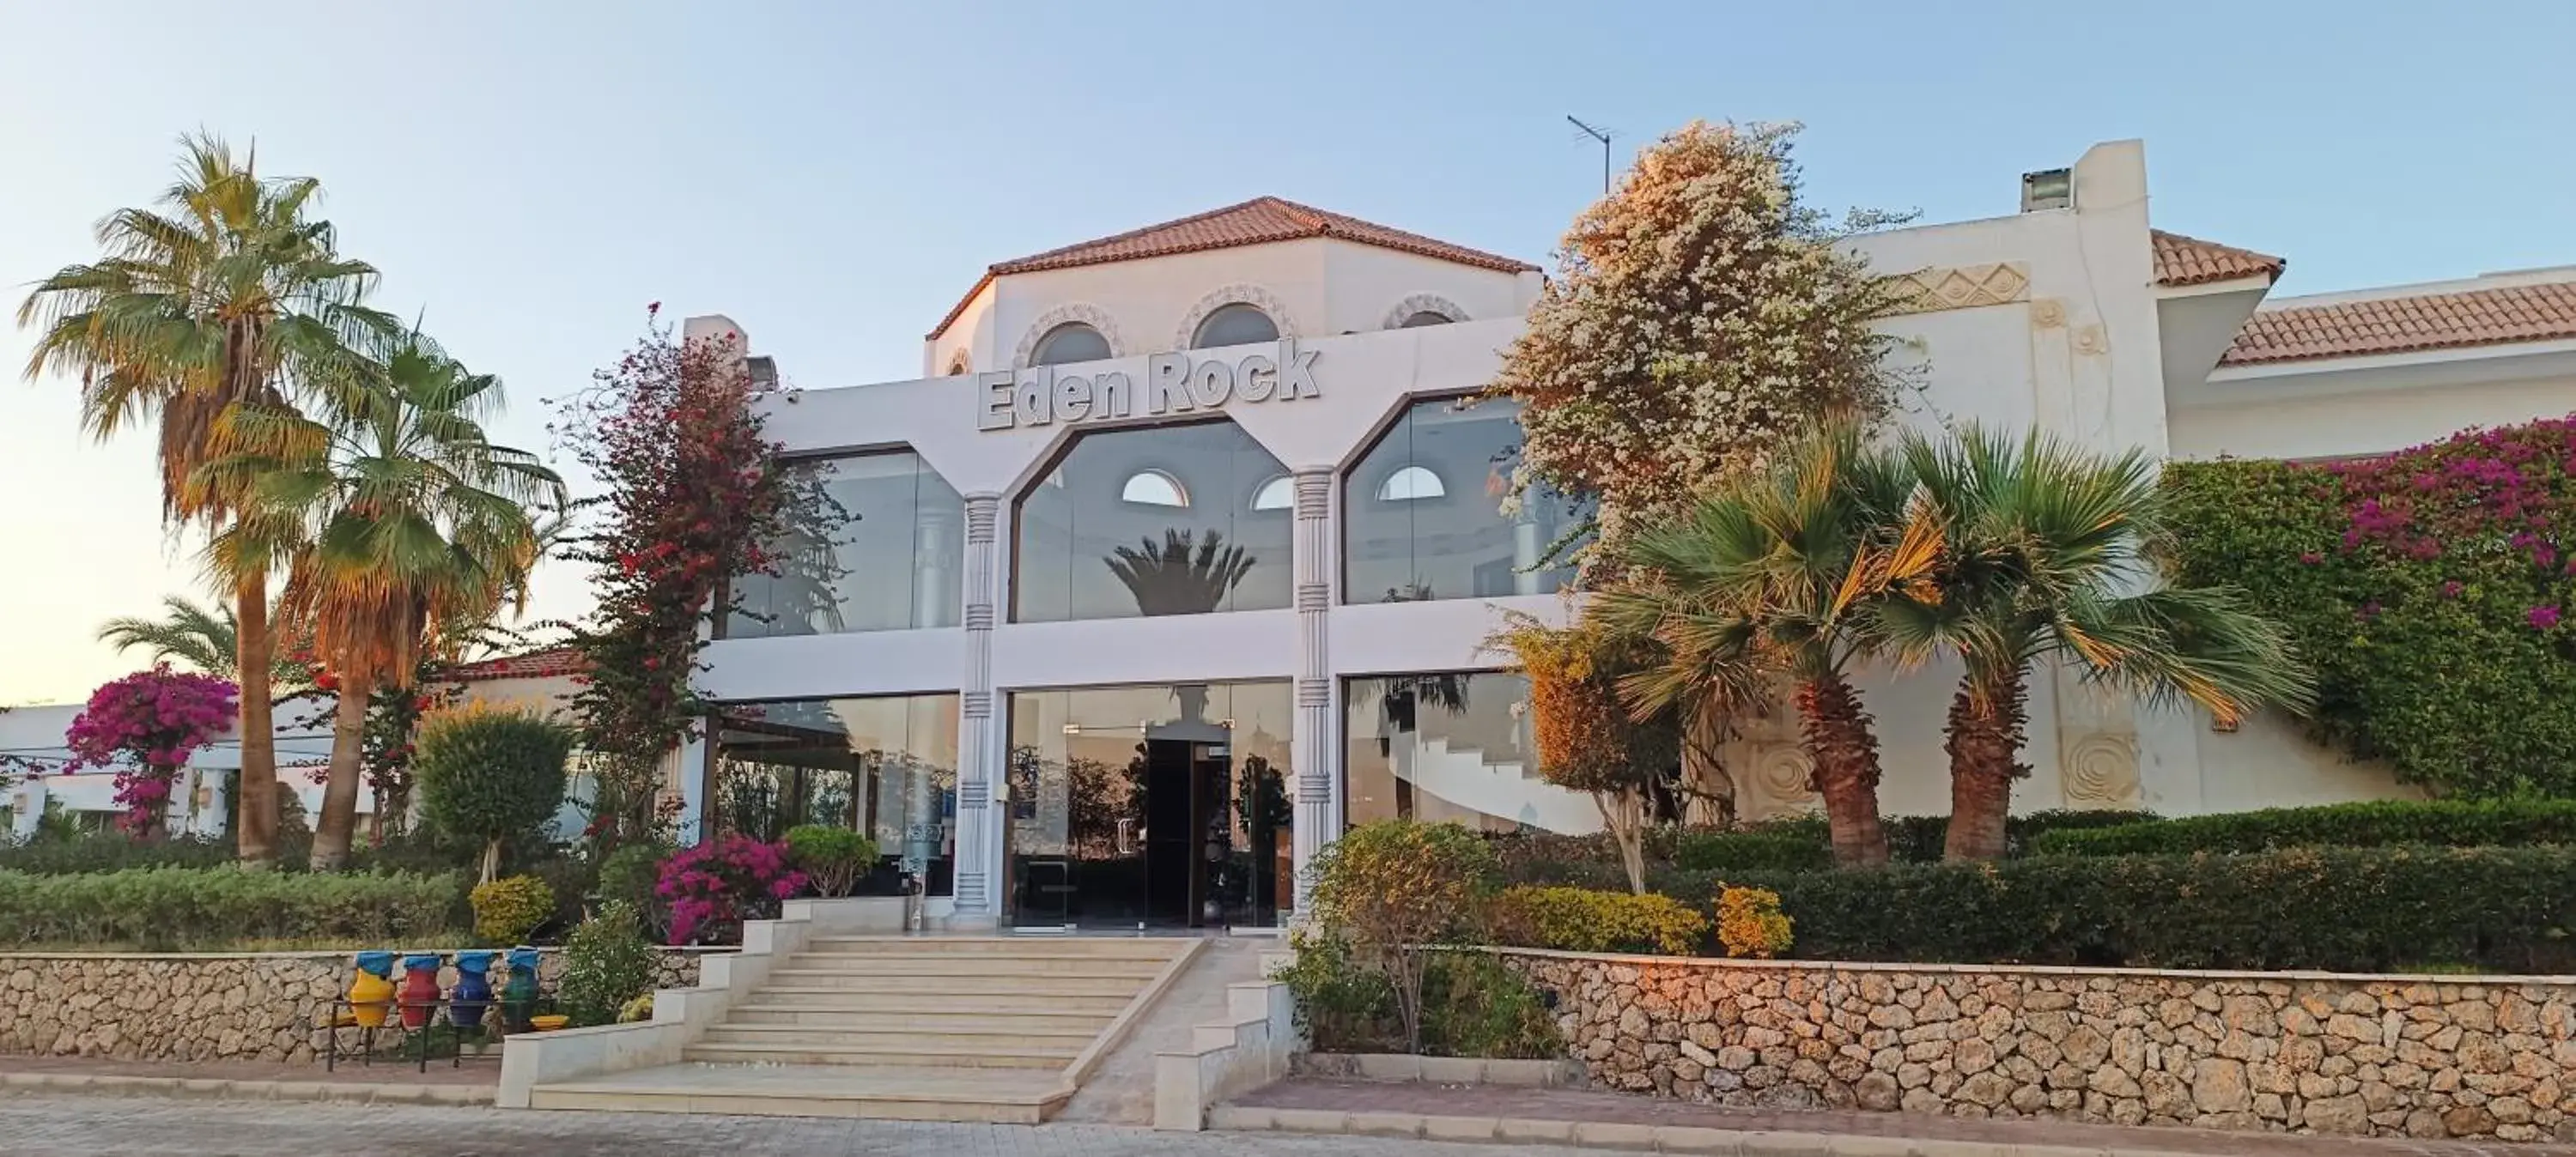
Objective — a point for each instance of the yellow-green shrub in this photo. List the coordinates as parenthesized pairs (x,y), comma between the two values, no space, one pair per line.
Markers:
(1750,923)
(508,909)
(1583,920)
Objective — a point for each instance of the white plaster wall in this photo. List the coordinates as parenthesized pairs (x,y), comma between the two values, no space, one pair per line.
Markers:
(2278,418)
(1147,300)
(1363,282)
(2269,762)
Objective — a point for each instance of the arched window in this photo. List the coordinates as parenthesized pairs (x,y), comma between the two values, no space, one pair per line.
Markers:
(959,363)
(1154,488)
(1410,483)
(1423,318)
(1068,343)
(1236,324)
(1277,494)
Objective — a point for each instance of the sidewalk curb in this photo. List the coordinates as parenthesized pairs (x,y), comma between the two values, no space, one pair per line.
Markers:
(1636,1138)
(340,1092)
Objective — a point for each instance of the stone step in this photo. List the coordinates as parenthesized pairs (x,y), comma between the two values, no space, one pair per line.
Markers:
(1128,948)
(1036,988)
(995,1096)
(989,964)
(1012,1003)
(1049,1022)
(899,1054)
(1017,1041)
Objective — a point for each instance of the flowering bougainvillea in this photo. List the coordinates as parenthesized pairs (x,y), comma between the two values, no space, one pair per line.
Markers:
(2430,587)
(693,491)
(1699,315)
(714,886)
(146,725)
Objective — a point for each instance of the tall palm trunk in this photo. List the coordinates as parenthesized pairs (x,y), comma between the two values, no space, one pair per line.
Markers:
(1710,789)
(255,786)
(1846,758)
(339,822)
(1986,719)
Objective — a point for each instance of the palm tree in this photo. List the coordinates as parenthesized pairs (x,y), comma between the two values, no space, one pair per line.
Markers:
(419,528)
(1774,576)
(2053,554)
(227,293)
(204,638)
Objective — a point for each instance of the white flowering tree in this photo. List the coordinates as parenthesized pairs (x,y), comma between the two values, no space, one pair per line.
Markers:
(1699,316)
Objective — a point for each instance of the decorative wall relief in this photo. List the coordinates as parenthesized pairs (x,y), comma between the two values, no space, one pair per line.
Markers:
(1783,774)
(2101,771)
(1963,287)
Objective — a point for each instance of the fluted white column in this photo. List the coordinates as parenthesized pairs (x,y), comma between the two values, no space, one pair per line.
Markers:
(1315,749)
(979,746)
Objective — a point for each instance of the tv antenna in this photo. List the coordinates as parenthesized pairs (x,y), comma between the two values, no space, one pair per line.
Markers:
(1603,136)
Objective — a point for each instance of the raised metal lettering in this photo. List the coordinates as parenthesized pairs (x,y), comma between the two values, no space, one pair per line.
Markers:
(1037,395)
(995,411)
(1167,384)
(1112,395)
(1212,382)
(1255,377)
(1296,372)
(1073,397)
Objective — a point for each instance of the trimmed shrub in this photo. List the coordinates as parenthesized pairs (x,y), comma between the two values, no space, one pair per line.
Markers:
(1750,923)
(1584,920)
(112,853)
(2340,909)
(179,909)
(1396,889)
(489,773)
(629,873)
(1754,851)
(507,910)
(607,965)
(714,886)
(1473,1006)
(832,858)
(2440,823)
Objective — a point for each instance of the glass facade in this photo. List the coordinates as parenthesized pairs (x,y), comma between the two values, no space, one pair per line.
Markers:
(1159,521)
(1422,513)
(878,545)
(1453,747)
(1150,805)
(885,766)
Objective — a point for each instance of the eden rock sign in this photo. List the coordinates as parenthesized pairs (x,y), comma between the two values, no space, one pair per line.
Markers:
(1174,383)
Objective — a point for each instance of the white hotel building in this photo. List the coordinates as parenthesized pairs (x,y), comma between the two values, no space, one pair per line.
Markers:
(1181,555)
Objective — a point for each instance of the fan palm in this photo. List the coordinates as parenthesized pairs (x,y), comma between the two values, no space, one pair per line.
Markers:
(418,529)
(1773,576)
(201,637)
(2053,554)
(226,293)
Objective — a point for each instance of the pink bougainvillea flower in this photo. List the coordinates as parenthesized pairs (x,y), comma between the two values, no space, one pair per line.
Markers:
(2542,618)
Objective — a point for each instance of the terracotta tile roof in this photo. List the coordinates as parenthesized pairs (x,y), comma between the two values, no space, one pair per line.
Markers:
(2184,260)
(1258,221)
(531,665)
(2388,325)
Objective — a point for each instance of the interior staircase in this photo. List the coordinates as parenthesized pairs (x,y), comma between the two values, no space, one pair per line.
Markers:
(991,1029)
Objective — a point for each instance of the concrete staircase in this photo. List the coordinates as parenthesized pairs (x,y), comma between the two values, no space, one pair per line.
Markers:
(996,1029)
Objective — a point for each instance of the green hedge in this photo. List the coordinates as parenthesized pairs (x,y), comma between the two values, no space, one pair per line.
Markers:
(2342,909)
(110,853)
(163,909)
(1784,851)
(2441,823)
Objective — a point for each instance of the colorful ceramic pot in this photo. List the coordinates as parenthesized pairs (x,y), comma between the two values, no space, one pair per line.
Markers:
(519,993)
(419,989)
(473,991)
(371,989)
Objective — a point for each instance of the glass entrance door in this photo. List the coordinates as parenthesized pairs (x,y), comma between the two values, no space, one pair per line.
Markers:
(1149,807)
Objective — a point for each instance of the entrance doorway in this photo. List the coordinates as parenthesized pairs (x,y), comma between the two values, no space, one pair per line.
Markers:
(1149,807)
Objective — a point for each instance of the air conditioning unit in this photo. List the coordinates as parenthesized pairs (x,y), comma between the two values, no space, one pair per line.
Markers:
(2048,189)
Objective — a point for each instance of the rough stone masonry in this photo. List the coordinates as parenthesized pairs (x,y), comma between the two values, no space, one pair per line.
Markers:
(2425,1057)
(194,1007)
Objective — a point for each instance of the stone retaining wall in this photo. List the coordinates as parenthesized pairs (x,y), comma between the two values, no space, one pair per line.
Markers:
(2419,1057)
(196,1007)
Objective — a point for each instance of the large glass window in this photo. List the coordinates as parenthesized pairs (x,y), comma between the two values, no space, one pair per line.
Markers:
(875,543)
(884,766)
(1422,513)
(1151,805)
(1451,746)
(1160,521)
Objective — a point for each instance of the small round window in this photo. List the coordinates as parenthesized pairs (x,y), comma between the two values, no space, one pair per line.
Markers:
(1069,343)
(1154,488)
(1236,324)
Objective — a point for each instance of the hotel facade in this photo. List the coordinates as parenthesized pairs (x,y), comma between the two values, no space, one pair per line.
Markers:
(1181,556)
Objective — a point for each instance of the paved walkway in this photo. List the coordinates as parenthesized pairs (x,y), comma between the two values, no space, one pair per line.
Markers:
(1493,1102)
(33,1126)
(485,1071)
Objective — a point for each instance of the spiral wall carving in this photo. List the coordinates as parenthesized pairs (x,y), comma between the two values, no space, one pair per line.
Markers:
(1784,773)
(2101,771)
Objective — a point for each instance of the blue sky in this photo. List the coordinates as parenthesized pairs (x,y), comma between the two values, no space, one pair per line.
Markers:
(833,175)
